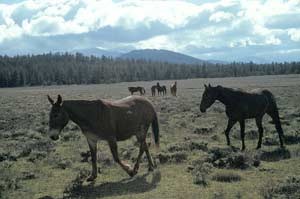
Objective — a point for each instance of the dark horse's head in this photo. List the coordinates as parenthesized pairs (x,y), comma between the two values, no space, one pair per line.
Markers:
(58,118)
(208,98)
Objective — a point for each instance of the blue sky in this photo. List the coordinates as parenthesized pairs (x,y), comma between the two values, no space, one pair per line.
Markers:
(221,30)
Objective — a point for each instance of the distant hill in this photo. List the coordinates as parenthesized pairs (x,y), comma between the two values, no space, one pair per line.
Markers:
(162,56)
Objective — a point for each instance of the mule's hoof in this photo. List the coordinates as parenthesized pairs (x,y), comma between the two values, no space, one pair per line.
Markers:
(91,178)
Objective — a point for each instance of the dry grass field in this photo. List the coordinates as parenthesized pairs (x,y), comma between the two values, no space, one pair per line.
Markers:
(193,160)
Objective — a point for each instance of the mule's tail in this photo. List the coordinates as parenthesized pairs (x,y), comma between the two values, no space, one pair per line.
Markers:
(272,110)
(144,91)
(155,130)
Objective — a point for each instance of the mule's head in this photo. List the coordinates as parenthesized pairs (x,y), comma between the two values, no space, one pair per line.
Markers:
(208,98)
(58,118)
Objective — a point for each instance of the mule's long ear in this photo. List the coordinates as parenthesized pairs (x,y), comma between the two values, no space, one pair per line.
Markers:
(209,85)
(50,100)
(205,86)
(59,100)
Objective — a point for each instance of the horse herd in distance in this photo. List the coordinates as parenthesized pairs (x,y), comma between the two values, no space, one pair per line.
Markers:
(161,89)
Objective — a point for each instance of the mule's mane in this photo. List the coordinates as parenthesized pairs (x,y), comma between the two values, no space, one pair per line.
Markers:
(82,110)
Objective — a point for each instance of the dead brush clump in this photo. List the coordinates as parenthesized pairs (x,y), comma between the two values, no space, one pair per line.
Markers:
(195,145)
(187,146)
(9,180)
(203,130)
(274,155)
(226,176)
(74,189)
(231,159)
(292,137)
(201,173)
(176,157)
(287,188)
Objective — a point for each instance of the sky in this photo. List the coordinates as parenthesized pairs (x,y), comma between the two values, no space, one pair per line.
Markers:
(228,30)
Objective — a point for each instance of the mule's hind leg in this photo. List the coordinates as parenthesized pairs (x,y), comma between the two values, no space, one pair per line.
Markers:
(114,150)
(149,157)
(242,125)
(260,131)
(229,127)
(93,149)
(141,152)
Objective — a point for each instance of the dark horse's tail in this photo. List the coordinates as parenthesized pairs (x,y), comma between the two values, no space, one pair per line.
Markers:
(155,130)
(272,110)
(144,91)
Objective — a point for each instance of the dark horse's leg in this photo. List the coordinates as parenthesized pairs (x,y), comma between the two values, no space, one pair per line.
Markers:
(93,149)
(114,150)
(242,125)
(229,126)
(260,131)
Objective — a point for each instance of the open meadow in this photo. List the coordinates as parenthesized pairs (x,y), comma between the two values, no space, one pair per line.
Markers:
(193,160)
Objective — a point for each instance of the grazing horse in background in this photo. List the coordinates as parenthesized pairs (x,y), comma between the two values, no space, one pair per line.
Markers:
(241,105)
(153,88)
(107,120)
(137,89)
(161,89)
(173,88)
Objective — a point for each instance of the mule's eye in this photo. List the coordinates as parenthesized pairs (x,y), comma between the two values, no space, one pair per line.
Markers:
(55,115)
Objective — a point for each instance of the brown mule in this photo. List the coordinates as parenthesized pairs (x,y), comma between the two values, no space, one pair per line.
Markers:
(108,120)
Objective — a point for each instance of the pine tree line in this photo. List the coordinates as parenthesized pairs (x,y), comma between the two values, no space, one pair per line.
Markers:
(50,69)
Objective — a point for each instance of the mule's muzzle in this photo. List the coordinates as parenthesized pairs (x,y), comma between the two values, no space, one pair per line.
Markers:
(54,134)
(54,137)
(202,110)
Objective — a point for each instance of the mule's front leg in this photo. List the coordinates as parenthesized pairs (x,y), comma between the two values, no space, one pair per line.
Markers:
(114,150)
(93,149)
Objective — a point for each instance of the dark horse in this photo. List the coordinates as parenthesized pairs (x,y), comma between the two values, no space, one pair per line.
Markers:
(153,88)
(161,89)
(107,120)
(241,105)
(137,89)
(173,88)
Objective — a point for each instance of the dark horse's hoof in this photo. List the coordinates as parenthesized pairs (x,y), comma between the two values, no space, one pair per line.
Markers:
(132,173)
(91,178)
(151,169)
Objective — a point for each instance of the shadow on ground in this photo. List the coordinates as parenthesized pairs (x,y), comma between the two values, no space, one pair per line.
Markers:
(138,184)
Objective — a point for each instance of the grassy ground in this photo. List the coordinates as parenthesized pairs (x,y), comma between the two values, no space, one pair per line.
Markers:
(193,161)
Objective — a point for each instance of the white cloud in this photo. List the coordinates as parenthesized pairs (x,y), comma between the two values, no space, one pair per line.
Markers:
(294,34)
(220,16)
(184,26)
